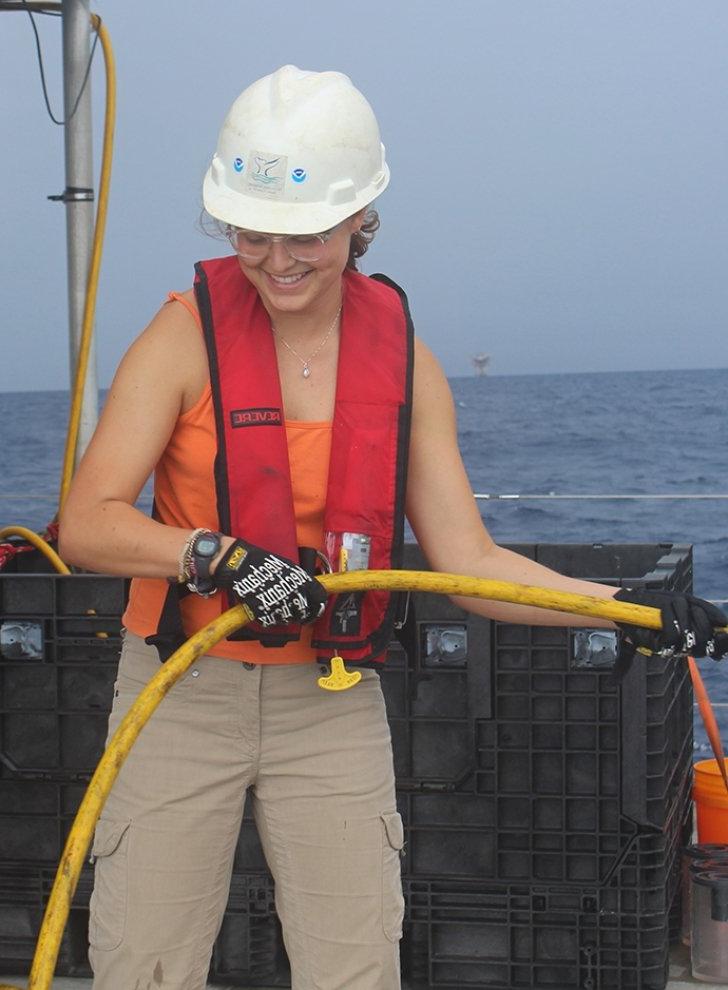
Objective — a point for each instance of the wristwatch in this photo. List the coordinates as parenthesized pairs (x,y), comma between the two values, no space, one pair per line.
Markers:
(204,548)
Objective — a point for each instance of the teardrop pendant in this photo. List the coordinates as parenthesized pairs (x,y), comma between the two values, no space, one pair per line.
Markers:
(306,370)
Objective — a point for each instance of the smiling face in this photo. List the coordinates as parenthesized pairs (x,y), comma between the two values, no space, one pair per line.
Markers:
(291,287)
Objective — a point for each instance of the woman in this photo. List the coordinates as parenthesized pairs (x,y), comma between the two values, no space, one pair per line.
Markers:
(289,417)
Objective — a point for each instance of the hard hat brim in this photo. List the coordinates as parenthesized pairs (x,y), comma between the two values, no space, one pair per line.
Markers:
(270,217)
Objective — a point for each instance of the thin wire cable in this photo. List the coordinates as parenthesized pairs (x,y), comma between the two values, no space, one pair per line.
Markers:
(485,496)
(61,123)
(488,497)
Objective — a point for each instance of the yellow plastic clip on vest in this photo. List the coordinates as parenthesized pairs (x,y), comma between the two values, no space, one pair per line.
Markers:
(339,679)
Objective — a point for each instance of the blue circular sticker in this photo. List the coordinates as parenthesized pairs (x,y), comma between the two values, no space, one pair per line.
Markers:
(299,175)
(238,164)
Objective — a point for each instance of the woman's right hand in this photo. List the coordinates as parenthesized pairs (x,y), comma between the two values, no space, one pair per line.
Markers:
(274,590)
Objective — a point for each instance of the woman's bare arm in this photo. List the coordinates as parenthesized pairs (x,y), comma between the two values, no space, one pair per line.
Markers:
(445,518)
(162,375)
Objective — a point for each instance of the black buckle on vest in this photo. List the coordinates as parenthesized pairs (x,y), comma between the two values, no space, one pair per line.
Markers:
(170,634)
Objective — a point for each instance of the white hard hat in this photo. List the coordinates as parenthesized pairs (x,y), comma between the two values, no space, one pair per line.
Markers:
(298,153)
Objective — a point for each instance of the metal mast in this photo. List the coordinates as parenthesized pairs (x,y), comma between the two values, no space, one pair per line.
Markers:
(79,195)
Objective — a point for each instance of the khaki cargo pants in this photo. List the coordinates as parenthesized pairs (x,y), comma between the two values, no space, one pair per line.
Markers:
(319,769)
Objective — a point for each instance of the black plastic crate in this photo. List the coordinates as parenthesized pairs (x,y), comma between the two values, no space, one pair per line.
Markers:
(59,650)
(540,937)
(54,716)
(35,818)
(521,756)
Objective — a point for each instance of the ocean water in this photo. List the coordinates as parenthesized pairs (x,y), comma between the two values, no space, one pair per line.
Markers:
(573,434)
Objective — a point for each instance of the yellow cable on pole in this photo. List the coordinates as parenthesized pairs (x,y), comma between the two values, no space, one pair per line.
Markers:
(93,276)
(40,544)
(69,454)
(72,860)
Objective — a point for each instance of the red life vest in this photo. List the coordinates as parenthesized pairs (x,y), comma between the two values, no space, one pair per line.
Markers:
(369,446)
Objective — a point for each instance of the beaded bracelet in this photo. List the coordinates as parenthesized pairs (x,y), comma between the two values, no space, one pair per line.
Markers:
(184,570)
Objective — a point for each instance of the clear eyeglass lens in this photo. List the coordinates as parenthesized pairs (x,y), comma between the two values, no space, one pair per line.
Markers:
(253,245)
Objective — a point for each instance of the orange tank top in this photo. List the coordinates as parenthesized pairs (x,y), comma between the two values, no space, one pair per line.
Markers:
(184,495)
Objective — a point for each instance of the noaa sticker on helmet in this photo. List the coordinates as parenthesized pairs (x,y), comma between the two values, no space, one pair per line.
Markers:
(266,174)
(299,175)
(238,164)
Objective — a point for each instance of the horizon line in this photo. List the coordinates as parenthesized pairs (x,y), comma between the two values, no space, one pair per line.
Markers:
(463,377)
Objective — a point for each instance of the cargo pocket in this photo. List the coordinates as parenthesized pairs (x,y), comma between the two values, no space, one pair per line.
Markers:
(392,897)
(107,914)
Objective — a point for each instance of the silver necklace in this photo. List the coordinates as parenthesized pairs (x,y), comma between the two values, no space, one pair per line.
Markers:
(306,362)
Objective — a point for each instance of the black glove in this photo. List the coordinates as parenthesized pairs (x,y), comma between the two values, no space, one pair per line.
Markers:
(689,625)
(275,590)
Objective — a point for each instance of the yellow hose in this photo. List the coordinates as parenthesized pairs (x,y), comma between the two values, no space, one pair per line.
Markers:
(40,544)
(72,860)
(74,422)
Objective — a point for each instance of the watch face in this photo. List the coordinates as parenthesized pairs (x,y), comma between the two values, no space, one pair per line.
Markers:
(206,546)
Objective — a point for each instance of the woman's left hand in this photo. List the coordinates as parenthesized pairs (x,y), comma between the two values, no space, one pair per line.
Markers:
(689,625)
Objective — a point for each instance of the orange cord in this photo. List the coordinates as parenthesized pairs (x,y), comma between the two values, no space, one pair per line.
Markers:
(708,716)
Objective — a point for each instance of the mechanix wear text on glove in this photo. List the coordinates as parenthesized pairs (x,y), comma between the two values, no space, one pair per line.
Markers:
(274,590)
(689,625)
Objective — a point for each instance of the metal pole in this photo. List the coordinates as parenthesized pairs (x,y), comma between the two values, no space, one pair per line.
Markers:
(78,196)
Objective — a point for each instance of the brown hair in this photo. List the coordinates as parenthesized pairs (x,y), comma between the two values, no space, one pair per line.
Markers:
(361,240)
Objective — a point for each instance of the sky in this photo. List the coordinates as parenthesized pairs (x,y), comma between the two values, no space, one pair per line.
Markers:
(559,187)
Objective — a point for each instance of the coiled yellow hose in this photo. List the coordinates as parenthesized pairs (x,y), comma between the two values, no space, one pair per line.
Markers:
(69,869)
(40,544)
